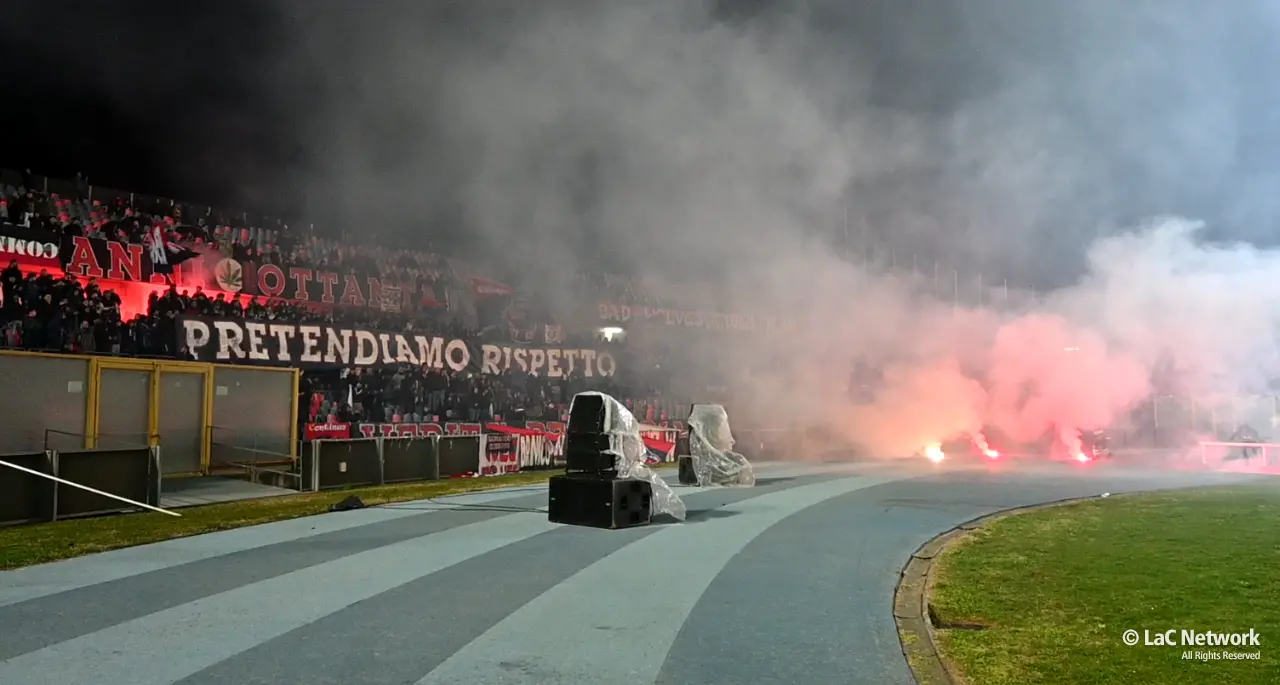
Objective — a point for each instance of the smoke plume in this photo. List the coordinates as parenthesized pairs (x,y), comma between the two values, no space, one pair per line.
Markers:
(952,194)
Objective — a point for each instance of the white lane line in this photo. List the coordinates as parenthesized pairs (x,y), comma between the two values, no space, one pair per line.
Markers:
(43,580)
(169,645)
(615,621)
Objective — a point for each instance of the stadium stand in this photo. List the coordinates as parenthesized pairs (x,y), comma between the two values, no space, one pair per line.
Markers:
(64,313)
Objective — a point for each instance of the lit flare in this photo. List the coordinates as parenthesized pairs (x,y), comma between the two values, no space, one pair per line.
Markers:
(981,441)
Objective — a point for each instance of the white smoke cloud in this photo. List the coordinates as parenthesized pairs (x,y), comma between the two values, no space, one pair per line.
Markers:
(754,162)
(1164,296)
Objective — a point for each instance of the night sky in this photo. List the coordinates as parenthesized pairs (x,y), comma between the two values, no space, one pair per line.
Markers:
(188,99)
(145,97)
(206,101)
(307,109)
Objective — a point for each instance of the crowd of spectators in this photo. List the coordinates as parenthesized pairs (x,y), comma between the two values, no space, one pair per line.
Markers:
(622,289)
(60,314)
(102,213)
(414,394)
(129,218)
(44,313)
(40,312)
(411,394)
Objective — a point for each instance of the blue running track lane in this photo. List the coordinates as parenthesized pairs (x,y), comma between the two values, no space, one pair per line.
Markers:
(789,582)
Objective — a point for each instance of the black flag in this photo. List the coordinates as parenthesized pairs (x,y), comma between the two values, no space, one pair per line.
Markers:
(164,254)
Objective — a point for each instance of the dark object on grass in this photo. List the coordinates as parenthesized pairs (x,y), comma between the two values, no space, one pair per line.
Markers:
(349,504)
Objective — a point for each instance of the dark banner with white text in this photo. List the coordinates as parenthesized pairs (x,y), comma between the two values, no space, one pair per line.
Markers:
(305,345)
(30,247)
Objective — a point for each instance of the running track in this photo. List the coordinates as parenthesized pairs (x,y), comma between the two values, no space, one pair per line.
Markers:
(790,582)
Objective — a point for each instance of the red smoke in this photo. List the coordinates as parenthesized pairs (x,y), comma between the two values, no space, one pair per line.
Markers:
(919,404)
(1045,375)
(1034,376)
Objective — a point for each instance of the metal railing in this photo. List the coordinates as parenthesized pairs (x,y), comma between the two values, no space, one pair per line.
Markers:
(116,440)
(1247,451)
(255,468)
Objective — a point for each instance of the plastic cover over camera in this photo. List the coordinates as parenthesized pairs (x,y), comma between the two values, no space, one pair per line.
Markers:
(711,446)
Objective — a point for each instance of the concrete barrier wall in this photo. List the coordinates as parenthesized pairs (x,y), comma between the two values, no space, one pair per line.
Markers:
(407,459)
(130,473)
(24,497)
(332,464)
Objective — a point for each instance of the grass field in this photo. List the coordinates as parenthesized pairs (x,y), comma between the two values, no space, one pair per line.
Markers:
(43,542)
(1055,589)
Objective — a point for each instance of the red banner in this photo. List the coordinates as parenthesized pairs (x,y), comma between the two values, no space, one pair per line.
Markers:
(388,430)
(327,431)
(304,284)
(533,446)
(414,430)
(499,455)
(116,261)
(676,424)
(656,442)
(552,427)
(536,444)
(487,287)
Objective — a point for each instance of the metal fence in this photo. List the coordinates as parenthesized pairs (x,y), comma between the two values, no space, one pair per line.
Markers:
(1174,421)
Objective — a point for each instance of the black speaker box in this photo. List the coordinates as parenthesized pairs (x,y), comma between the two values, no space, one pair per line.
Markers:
(685,473)
(585,452)
(582,499)
(587,414)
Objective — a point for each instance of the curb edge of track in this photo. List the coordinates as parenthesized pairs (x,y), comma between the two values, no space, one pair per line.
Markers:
(916,631)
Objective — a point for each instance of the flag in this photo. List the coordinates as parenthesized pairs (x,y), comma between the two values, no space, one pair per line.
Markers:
(553,334)
(164,254)
(658,451)
(487,287)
